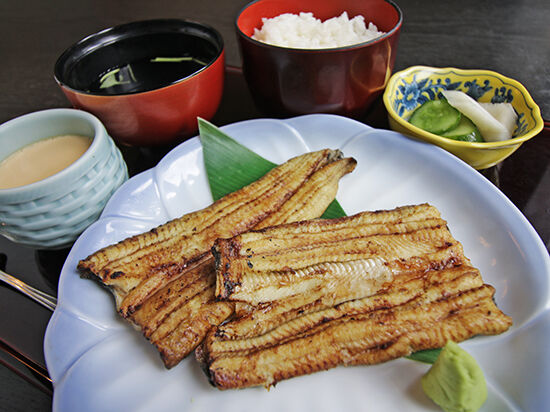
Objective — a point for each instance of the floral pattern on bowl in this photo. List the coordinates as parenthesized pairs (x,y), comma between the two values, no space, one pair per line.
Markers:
(410,88)
(416,92)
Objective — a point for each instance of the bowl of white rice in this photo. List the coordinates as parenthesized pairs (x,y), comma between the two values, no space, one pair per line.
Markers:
(318,56)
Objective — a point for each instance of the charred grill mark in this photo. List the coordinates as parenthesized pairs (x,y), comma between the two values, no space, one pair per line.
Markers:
(383,346)
(217,256)
(115,275)
(228,285)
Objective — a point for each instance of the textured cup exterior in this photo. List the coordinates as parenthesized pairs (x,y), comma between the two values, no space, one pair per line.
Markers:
(53,212)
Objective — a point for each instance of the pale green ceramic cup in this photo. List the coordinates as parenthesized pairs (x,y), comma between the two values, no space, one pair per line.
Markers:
(52,212)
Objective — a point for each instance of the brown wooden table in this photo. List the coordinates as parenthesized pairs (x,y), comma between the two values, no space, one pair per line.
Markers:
(508,36)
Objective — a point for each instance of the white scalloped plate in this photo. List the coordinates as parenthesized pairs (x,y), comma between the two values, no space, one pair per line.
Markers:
(98,362)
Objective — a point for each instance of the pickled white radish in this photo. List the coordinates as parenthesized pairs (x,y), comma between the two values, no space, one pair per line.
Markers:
(504,113)
(491,129)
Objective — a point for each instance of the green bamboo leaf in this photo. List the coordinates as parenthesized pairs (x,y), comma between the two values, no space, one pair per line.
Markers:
(334,210)
(230,165)
(425,356)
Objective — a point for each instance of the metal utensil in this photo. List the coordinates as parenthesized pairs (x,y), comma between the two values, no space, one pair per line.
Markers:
(43,298)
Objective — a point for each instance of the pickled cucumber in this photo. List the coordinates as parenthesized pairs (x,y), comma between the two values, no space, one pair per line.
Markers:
(436,116)
(466,131)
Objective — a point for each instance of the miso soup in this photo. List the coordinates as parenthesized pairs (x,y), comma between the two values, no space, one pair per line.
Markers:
(146,74)
(126,60)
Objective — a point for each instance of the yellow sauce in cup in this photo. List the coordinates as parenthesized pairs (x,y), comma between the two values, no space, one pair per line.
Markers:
(41,159)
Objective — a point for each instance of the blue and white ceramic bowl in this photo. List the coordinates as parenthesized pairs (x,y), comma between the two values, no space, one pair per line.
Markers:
(52,212)
(409,88)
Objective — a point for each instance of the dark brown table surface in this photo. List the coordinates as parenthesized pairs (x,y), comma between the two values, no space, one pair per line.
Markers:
(511,37)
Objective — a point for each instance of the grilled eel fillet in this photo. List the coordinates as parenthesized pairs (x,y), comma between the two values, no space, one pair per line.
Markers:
(358,290)
(163,280)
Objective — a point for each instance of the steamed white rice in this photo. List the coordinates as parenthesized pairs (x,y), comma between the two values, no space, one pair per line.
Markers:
(304,31)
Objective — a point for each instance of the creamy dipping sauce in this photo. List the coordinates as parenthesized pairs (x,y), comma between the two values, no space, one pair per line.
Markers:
(41,159)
